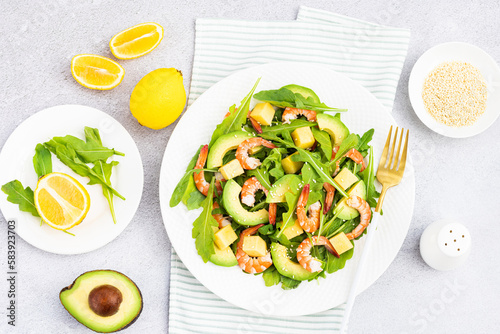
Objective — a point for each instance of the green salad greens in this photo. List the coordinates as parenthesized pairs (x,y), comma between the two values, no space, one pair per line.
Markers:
(277,186)
(77,154)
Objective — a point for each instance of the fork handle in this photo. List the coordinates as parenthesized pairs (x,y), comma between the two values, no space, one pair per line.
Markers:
(359,272)
(381,198)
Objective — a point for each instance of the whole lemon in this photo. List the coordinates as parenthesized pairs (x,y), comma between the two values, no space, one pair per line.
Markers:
(159,98)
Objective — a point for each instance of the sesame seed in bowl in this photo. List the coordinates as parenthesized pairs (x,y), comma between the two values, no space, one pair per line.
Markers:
(455,89)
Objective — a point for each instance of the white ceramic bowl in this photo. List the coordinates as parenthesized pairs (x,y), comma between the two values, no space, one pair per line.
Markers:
(456,51)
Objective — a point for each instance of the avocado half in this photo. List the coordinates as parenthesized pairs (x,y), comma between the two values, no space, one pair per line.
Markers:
(105,301)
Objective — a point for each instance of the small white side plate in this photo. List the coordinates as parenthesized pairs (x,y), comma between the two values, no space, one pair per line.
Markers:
(456,51)
(97,229)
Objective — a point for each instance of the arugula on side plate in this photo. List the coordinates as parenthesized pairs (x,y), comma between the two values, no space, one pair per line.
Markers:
(24,197)
(42,161)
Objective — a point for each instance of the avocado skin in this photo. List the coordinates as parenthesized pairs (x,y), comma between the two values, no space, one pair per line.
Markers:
(69,287)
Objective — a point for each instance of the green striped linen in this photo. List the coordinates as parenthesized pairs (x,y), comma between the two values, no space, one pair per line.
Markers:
(370,54)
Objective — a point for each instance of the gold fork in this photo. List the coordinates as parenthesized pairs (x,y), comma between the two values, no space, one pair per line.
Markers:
(390,172)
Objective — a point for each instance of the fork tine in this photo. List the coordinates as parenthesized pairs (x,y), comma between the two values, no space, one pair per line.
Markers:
(402,163)
(391,156)
(396,158)
(383,158)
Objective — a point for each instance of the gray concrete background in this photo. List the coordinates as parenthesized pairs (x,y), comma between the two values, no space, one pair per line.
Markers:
(456,178)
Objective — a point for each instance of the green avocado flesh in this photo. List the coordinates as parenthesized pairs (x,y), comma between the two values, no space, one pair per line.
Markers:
(223,145)
(224,258)
(358,189)
(304,91)
(333,126)
(287,267)
(103,300)
(281,187)
(232,204)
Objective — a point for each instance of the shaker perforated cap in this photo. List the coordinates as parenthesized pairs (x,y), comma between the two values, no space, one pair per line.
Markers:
(454,239)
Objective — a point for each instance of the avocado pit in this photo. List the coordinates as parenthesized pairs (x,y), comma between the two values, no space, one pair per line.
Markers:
(105,300)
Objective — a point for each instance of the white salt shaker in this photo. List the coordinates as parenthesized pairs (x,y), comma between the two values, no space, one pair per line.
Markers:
(445,244)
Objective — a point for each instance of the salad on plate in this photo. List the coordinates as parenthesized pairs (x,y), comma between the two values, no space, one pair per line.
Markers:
(284,188)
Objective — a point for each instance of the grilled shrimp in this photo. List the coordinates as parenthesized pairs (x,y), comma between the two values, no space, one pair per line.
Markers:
(250,187)
(304,256)
(352,154)
(242,152)
(309,224)
(330,194)
(199,178)
(249,264)
(365,214)
(293,113)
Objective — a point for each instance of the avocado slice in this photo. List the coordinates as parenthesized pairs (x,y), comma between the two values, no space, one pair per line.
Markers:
(287,183)
(333,126)
(224,258)
(304,91)
(358,189)
(224,144)
(287,267)
(232,204)
(105,301)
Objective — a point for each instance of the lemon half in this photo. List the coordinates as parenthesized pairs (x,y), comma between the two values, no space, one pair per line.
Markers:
(61,201)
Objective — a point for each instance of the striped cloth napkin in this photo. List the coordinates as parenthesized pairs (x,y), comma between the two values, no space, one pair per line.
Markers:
(368,53)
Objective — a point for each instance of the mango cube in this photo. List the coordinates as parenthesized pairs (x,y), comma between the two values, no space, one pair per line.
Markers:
(225,237)
(303,137)
(255,149)
(254,246)
(341,243)
(231,169)
(345,178)
(263,113)
(291,167)
(293,231)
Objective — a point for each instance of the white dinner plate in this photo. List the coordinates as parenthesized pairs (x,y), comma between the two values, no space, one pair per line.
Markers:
(97,229)
(456,51)
(196,127)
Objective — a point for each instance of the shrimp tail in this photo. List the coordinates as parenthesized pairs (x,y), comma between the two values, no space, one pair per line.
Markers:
(272,213)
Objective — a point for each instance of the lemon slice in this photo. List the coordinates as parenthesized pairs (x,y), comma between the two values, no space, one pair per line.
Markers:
(61,201)
(136,41)
(96,72)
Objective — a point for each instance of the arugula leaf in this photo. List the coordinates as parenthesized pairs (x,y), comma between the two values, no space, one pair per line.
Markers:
(294,124)
(284,98)
(271,276)
(202,227)
(368,176)
(333,263)
(289,217)
(288,283)
(349,142)
(24,197)
(365,139)
(42,161)
(68,156)
(325,144)
(104,169)
(236,119)
(88,152)
(309,176)
(194,197)
(319,167)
